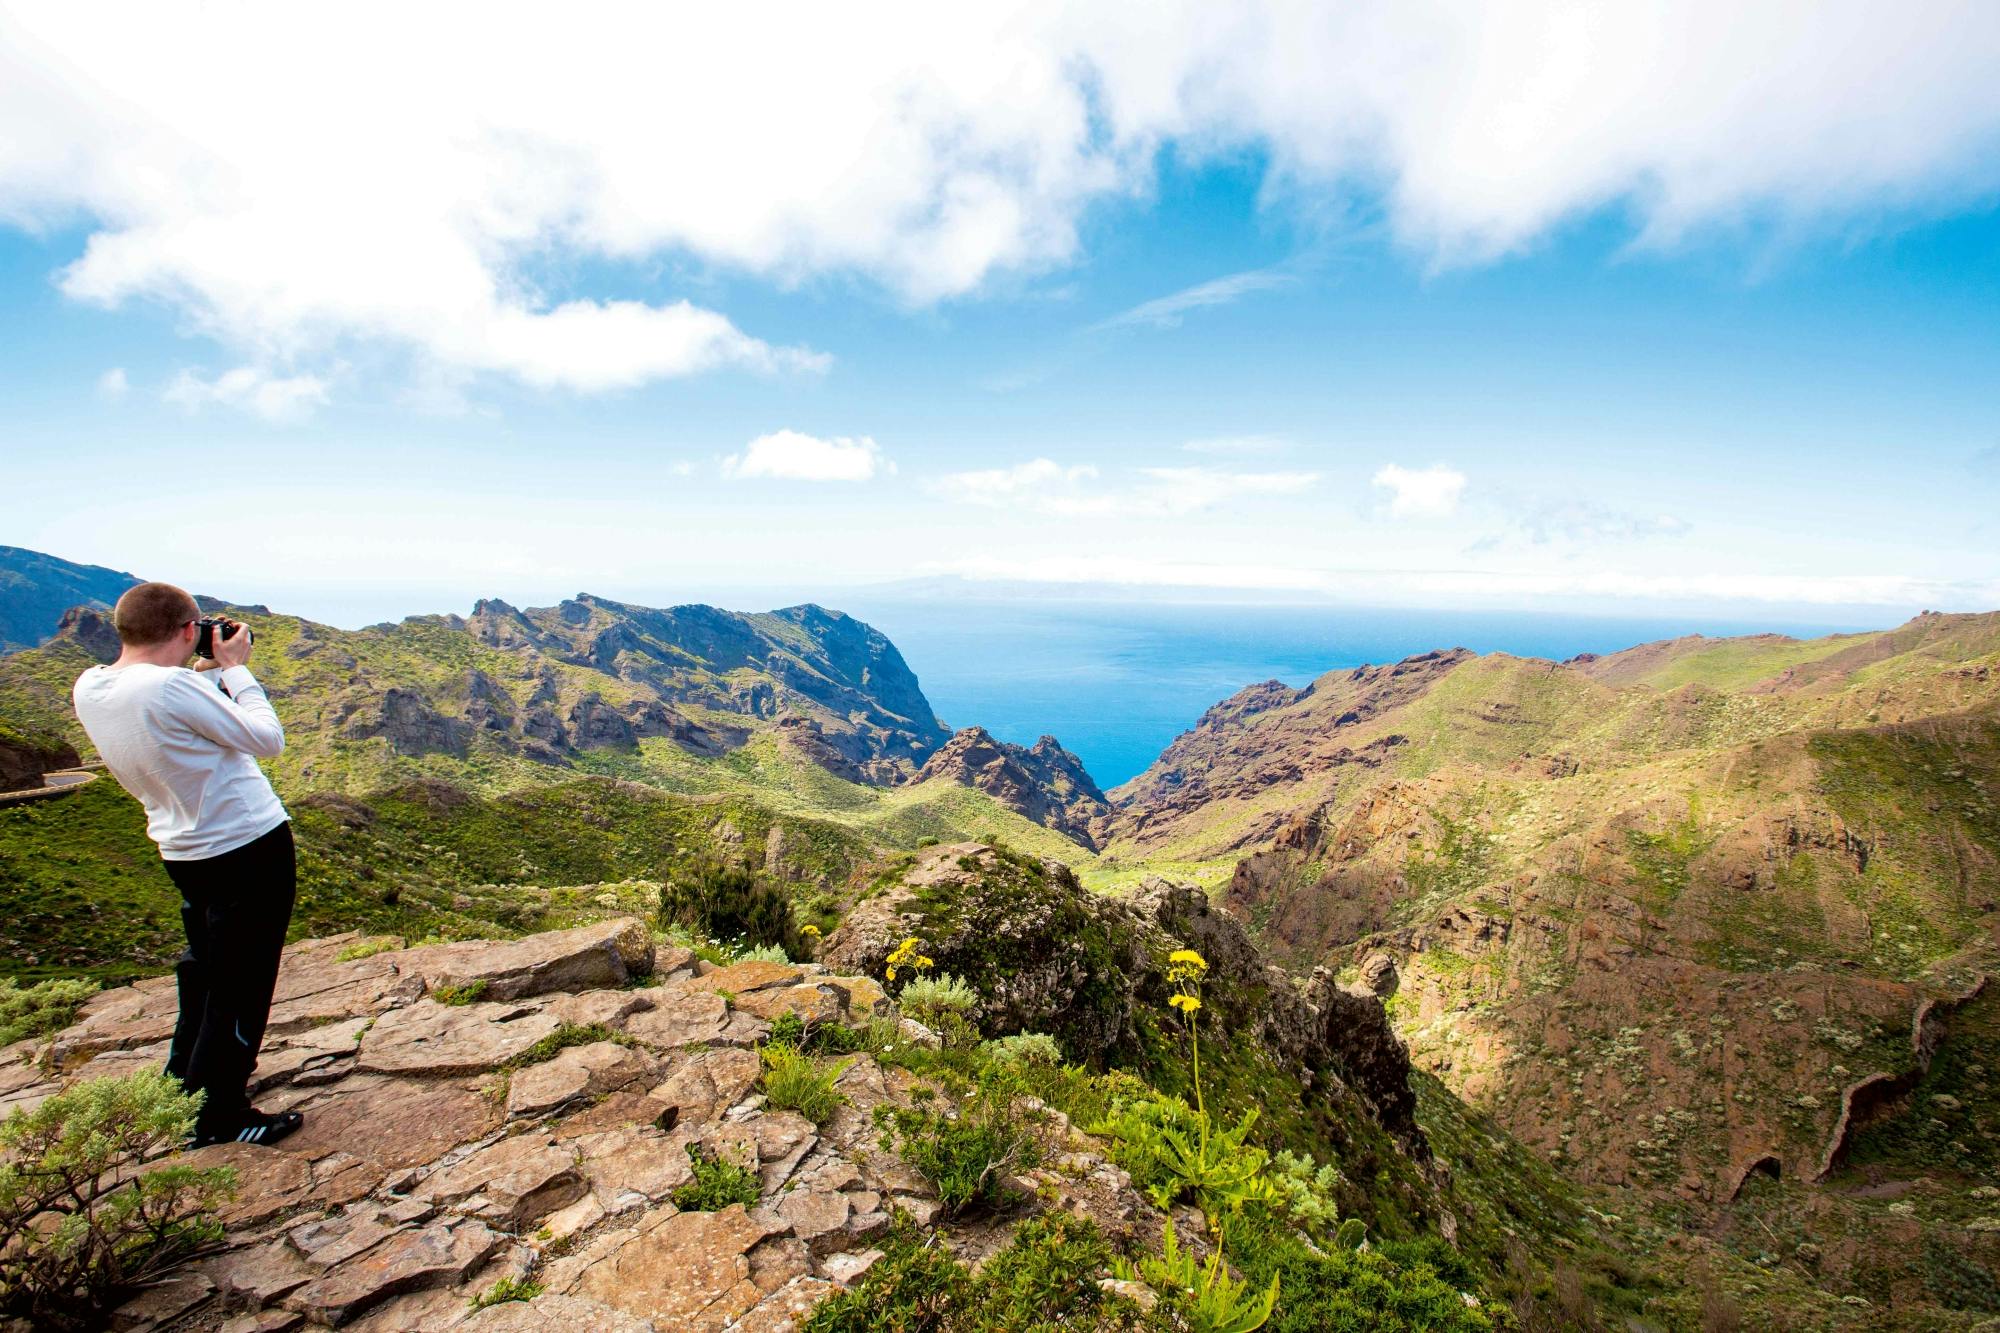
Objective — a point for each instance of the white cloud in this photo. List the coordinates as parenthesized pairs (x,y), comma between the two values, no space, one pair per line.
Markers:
(1045,486)
(1431,492)
(222,163)
(274,398)
(112,384)
(789,455)
(1165,312)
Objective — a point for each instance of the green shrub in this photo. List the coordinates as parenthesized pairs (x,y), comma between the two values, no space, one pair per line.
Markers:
(1172,1153)
(564,1037)
(726,902)
(927,998)
(38,1010)
(795,1081)
(1341,1288)
(965,1156)
(1052,1265)
(716,1184)
(915,1287)
(1045,1280)
(369,948)
(1304,1192)
(1204,1294)
(507,1289)
(1023,1048)
(465,994)
(763,953)
(97,1229)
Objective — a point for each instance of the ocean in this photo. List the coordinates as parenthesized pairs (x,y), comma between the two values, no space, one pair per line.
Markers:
(1117,683)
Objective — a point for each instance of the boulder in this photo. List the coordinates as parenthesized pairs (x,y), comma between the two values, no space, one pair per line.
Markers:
(602,954)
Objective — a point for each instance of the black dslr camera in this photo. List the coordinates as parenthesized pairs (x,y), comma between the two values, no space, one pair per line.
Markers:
(204,644)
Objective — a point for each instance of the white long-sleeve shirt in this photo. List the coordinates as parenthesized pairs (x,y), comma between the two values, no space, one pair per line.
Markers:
(188,751)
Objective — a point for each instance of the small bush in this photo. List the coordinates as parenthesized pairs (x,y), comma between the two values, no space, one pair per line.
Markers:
(507,1289)
(369,948)
(1173,1152)
(1343,1288)
(1205,1296)
(915,1287)
(716,1184)
(795,1081)
(1046,1279)
(763,953)
(80,1228)
(38,1010)
(726,902)
(965,1156)
(1023,1048)
(930,999)
(465,994)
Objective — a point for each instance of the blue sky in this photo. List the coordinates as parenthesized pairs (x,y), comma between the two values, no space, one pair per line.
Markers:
(1703,338)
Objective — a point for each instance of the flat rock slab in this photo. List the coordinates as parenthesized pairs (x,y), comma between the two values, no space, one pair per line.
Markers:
(572,1314)
(785,1309)
(394,1123)
(601,954)
(577,1073)
(434,1039)
(438,1255)
(268,1180)
(680,1019)
(684,1270)
(633,1165)
(327,1242)
(259,1275)
(607,1007)
(517,1180)
(707,1085)
(742,978)
(812,1003)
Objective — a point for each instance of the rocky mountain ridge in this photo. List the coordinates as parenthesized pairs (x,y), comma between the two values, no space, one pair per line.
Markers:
(1043,782)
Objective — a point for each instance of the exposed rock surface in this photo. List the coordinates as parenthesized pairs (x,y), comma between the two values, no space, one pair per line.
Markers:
(1047,955)
(1044,782)
(434,1162)
(1271,737)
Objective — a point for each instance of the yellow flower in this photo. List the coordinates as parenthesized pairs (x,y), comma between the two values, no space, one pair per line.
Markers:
(1188,956)
(1187,1004)
(809,929)
(892,974)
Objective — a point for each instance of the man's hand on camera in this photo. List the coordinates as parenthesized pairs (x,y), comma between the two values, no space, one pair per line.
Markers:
(234,650)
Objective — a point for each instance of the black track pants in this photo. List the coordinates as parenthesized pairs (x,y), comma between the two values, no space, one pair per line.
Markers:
(235,908)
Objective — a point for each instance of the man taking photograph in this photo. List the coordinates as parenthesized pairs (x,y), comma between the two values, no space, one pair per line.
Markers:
(186,744)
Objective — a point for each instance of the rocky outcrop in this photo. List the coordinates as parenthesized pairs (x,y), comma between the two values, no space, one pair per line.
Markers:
(91,628)
(1043,782)
(1047,955)
(448,1146)
(23,761)
(1270,738)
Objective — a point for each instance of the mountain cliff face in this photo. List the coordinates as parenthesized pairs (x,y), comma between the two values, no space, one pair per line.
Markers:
(35,590)
(1687,919)
(1044,782)
(496,695)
